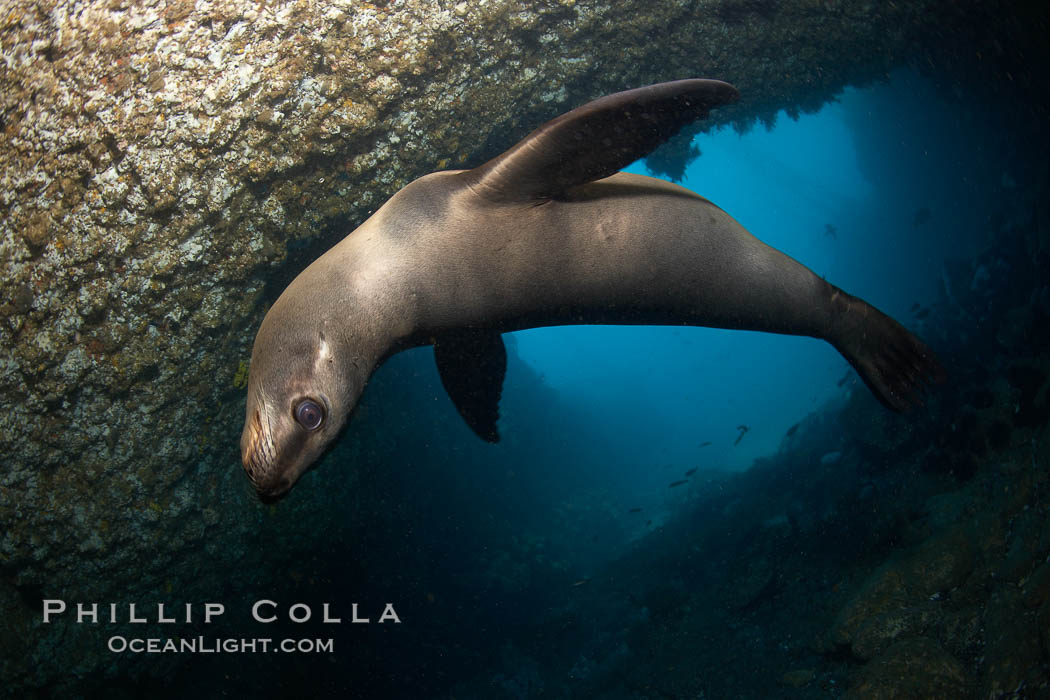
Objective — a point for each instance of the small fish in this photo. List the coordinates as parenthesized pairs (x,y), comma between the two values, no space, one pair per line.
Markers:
(705,443)
(635,510)
(677,483)
(594,539)
(922,313)
(845,378)
(792,429)
(691,472)
(831,231)
(648,523)
(915,307)
(743,431)
(580,582)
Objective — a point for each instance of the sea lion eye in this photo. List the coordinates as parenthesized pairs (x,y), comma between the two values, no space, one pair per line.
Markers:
(309,414)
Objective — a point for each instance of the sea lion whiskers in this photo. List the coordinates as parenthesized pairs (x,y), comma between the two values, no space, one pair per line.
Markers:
(257,450)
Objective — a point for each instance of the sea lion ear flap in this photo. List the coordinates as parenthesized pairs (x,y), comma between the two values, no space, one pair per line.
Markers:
(596,140)
(472,364)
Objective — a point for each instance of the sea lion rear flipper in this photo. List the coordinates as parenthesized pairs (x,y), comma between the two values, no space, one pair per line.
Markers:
(596,140)
(894,364)
(472,364)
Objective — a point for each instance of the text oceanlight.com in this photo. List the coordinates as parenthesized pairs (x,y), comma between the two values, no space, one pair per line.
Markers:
(206,645)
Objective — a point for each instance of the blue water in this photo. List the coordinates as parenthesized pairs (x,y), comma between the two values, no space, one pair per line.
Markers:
(655,394)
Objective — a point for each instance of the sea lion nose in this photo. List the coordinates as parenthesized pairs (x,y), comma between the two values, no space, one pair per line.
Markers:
(274,492)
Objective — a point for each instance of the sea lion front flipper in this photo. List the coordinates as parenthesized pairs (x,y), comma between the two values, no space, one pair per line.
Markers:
(596,140)
(472,364)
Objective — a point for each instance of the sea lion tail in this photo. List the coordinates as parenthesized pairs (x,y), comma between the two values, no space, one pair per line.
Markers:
(895,364)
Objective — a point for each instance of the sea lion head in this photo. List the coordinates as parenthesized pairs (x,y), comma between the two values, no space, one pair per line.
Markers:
(301,389)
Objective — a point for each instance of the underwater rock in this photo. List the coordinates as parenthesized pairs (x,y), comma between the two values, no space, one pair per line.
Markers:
(940,563)
(1013,656)
(879,632)
(1028,543)
(1028,382)
(1042,621)
(913,668)
(799,678)
(883,591)
(19,610)
(892,602)
(1036,588)
(752,582)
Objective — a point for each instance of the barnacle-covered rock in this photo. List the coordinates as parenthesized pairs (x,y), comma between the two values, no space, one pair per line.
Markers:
(914,668)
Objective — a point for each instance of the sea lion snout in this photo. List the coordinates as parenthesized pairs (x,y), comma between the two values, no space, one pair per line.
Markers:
(275,451)
(297,394)
(274,493)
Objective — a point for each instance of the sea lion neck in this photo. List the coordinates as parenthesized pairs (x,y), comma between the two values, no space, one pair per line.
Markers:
(343,299)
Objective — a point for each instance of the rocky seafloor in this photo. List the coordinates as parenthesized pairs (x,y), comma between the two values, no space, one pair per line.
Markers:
(165,167)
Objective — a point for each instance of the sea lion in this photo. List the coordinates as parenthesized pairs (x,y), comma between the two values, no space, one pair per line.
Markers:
(548,233)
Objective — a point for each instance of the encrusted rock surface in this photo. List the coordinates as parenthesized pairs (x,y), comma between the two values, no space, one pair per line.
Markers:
(165,167)
(915,668)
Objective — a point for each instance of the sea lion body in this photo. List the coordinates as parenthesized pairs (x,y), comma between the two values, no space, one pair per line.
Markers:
(548,233)
(627,249)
